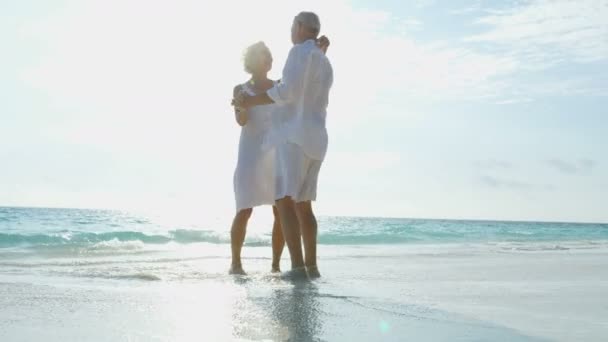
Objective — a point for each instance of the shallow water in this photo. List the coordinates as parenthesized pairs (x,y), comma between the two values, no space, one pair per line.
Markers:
(112,276)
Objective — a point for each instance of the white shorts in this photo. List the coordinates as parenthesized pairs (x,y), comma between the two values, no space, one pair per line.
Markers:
(296,174)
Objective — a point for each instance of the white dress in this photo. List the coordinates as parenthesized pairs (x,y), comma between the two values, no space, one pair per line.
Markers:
(254,183)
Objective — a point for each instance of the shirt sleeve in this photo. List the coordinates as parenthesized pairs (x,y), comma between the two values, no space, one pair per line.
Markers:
(292,81)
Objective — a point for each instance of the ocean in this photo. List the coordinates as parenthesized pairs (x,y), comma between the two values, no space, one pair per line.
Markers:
(103,275)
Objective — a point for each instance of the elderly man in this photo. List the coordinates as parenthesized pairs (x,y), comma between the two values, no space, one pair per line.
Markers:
(307,79)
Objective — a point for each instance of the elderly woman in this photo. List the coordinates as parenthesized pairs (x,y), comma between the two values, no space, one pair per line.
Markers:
(254,174)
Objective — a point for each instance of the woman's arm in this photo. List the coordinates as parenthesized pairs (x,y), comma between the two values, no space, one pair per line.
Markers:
(239,113)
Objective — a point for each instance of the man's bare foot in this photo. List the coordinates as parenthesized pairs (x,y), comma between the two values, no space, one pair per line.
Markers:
(275,269)
(313,272)
(295,274)
(236,270)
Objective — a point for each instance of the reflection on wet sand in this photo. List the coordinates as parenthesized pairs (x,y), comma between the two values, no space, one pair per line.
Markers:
(279,312)
(297,311)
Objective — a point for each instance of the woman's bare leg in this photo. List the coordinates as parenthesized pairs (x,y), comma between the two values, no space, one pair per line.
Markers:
(237,238)
(278,242)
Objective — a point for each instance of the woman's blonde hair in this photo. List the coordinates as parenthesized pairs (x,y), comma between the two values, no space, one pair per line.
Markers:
(252,55)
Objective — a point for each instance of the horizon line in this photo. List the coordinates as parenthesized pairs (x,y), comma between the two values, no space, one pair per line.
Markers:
(340,216)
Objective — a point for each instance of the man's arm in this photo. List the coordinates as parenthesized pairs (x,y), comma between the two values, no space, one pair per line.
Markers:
(284,92)
(288,89)
(292,81)
(323,43)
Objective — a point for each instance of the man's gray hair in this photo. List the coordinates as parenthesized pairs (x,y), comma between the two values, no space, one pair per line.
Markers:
(309,20)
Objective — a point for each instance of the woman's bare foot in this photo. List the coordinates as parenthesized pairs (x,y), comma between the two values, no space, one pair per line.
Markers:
(275,269)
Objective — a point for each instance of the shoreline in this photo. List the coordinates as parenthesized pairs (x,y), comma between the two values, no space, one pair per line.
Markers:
(559,295)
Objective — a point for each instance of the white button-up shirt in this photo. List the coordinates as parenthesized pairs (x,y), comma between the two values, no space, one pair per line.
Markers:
(304,92)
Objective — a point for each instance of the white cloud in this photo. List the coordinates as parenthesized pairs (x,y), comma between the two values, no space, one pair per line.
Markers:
(409,24)
(476,7)
(543,33)
(512,184)
(514,101)
(423,3)
(492,164)
(581,166)
(372,160)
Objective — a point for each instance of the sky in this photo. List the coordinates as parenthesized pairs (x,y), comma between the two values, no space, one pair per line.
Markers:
(459,109)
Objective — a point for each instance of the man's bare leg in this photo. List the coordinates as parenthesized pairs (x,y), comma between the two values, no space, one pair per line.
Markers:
(278,242)
(237,238)
(308,228)
(291,231)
